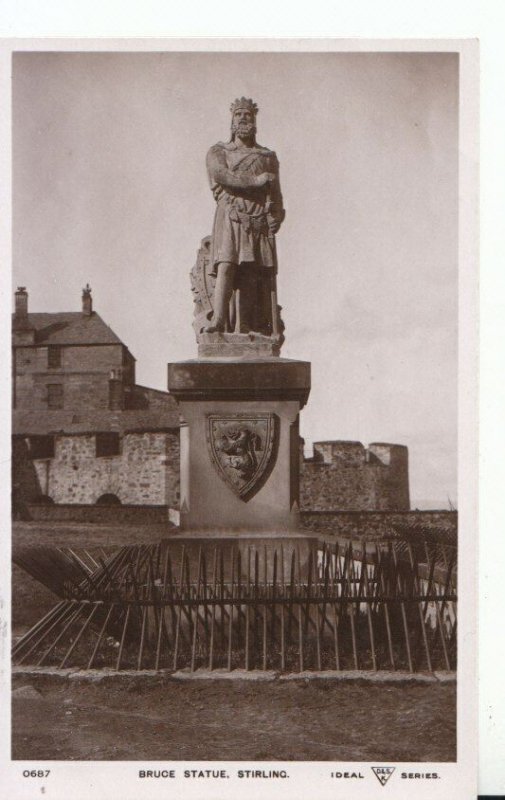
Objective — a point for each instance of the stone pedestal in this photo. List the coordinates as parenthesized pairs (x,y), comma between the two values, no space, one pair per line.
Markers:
(210,345)
(257,557)
(232,410)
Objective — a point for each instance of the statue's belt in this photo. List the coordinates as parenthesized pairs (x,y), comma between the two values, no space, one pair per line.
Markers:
(250,222)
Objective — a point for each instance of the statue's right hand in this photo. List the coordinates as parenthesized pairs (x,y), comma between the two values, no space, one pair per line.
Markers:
(265,177)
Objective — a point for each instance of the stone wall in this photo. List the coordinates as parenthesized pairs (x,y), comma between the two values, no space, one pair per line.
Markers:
(145,473)
(376,525)
(107,515)
(84,374)
(347,476)
(342,476)
(342,525)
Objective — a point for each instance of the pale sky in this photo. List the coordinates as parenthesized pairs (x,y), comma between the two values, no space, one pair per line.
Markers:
(110,188)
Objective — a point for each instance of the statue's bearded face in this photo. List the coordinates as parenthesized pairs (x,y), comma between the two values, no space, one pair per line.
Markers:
(243,124)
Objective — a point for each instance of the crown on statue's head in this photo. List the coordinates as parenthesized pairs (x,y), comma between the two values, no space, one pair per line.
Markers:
(246,103)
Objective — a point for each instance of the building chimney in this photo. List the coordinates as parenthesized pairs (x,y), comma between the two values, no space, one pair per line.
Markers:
(87,302)
(21,296)
(23,331)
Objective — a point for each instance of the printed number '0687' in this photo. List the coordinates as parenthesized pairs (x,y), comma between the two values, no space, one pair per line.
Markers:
(36,773)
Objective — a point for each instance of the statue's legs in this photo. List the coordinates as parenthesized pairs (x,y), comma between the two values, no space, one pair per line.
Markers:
(247,291)
(222,295)
(245,279)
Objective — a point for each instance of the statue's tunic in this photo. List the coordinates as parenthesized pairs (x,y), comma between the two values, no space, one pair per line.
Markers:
(241,233)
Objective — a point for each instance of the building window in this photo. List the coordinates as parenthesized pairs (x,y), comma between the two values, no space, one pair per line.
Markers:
(41,447)
(107,444)
(53,356)
(55,395)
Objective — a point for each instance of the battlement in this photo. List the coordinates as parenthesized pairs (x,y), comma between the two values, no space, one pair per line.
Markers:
(347,476)
(390,455)
(339,452)
(349,453)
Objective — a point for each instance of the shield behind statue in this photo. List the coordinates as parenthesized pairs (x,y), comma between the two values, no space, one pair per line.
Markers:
(242,449)
(202,285)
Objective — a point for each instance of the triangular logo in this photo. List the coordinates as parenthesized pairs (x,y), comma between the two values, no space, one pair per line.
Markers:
(383,774)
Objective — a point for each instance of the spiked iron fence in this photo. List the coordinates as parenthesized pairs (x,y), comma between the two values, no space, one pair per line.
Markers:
(170,606)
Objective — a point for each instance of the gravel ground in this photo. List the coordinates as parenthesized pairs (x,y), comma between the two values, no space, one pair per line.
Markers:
(233,720)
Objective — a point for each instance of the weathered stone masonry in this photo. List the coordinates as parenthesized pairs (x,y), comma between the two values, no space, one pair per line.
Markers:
(346,476)
(342,476)
(141,475)
(145,472)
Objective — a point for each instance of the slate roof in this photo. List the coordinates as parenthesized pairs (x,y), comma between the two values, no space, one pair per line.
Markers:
(39,423)
(71,327)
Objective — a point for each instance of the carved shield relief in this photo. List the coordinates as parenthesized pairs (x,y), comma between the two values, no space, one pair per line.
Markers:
(242,448)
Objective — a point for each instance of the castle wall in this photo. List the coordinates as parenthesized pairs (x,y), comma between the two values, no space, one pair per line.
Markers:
(378,525)
(145,473)
(342,476)
(346,476)
(99,515)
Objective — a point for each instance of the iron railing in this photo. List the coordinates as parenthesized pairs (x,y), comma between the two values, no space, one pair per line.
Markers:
(172,606)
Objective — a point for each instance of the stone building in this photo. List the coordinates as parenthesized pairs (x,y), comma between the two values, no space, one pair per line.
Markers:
(68,361)
(83,431)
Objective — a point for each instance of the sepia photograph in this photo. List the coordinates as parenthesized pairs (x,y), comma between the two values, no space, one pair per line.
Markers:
(235,327)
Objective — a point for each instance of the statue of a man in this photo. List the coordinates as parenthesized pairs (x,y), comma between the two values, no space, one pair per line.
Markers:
(244,178)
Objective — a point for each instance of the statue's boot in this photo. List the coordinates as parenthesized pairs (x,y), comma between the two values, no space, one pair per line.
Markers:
(214,327)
